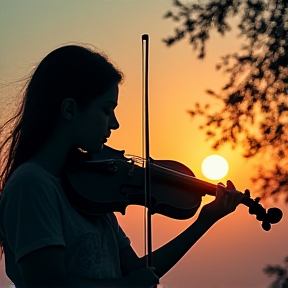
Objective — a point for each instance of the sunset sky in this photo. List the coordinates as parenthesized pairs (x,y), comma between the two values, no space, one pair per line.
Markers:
(233,253)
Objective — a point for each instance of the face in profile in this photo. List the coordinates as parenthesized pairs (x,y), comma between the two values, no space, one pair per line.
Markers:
(95,122)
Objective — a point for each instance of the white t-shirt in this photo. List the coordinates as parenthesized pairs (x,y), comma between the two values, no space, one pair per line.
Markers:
(35,213)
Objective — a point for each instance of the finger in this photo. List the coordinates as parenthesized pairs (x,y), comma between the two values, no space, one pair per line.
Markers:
(236,198)
(221,197)
(229,197)
(220,190)
(230,185)
(221,184)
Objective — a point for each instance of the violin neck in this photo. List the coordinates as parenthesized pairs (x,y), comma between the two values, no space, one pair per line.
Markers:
(179,179)
(187,182)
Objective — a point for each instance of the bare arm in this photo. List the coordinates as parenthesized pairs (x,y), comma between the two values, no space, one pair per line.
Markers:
(169,254)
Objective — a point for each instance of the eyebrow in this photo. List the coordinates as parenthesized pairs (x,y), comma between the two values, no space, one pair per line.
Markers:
(113,103)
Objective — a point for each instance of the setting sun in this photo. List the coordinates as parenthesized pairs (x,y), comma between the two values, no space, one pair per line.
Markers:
(215,167)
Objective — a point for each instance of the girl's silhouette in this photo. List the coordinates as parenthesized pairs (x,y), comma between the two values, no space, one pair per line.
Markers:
(68,104)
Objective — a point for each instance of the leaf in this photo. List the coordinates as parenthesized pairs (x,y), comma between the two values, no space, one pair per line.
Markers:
(210,92)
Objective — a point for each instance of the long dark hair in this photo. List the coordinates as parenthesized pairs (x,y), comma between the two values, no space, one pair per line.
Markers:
(70,71)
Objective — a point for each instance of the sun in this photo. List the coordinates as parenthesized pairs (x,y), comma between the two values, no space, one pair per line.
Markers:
(215,167)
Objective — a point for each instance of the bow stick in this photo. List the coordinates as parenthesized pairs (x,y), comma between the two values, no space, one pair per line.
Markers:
(148,226)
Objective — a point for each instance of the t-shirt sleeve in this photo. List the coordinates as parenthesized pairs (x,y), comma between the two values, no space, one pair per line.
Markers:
(32,214)
(122,239)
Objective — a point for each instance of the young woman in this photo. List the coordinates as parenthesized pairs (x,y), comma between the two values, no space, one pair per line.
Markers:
(68,104)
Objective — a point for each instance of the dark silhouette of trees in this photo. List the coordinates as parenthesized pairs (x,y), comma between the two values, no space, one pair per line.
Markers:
(255,98)
(281,274)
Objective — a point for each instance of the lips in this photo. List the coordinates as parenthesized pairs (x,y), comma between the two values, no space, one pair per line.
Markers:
(104,140)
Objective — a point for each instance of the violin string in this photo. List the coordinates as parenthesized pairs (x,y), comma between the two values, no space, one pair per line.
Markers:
(137,159)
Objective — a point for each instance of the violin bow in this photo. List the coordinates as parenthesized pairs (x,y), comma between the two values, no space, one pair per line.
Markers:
(145,131)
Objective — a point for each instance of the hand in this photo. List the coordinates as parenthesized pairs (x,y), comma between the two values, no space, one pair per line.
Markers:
(142,278)
(226,201)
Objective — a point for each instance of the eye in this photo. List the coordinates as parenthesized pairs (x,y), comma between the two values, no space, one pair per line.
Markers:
(108,111)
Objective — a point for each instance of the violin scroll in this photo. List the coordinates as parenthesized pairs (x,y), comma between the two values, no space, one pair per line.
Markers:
(271,216)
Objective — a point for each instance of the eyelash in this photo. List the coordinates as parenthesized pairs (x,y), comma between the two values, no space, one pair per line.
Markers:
(107,111)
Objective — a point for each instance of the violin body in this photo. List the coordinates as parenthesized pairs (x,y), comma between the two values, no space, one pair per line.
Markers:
(109,182)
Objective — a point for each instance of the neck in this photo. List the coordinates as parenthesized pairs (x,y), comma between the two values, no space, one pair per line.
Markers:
(52,156)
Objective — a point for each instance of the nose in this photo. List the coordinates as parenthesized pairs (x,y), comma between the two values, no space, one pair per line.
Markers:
(114,124)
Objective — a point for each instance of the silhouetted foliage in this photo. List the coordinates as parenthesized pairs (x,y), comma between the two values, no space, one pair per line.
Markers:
(255,98)
(281,274)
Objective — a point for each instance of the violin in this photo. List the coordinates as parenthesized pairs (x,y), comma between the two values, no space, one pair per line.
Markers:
(108,182)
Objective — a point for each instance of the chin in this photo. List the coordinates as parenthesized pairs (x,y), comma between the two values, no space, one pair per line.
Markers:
(96,149)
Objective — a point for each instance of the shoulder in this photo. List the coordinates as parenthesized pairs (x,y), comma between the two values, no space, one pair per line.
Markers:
(30,174)
(31,192)
(31,181)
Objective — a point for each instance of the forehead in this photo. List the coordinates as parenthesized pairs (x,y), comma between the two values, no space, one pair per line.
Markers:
(110,96)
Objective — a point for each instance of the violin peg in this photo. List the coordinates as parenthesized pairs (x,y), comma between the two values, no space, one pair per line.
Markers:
(261,217)
(257,199)
(274,215)
(247,193)
(266,225)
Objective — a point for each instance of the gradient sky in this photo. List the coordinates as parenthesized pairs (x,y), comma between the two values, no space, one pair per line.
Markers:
(233,253)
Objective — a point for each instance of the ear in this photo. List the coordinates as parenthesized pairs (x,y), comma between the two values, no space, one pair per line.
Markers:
(68,108)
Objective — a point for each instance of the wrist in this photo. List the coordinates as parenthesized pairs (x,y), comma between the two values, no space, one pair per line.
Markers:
(205,222)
